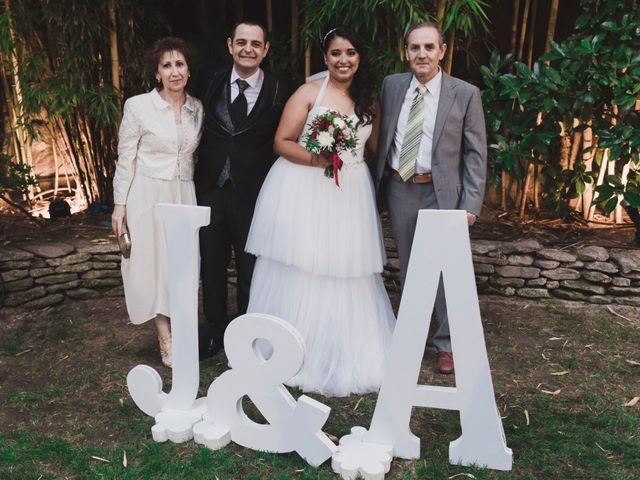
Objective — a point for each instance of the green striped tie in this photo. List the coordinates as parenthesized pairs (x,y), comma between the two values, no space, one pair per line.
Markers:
(412,135)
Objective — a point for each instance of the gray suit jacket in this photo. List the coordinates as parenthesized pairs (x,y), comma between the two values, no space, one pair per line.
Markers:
(459,154)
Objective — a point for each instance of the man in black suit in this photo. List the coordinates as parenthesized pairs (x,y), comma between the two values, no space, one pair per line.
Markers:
(242,105)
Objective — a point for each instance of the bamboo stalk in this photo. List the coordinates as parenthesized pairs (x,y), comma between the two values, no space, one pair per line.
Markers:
(269,7)
(10,109)
(448,62)
(530,35)
(587,159)
(551,27)
(575,148)
(514,26)
(441,10)
(604,166)
(510,189)
(536,186)
(525,189)
(57,172)
(15,91)
(307,50)
(523,28)
(565,150)
(294,28)
(503,190)
(611,170)
(113,44)
(623,179)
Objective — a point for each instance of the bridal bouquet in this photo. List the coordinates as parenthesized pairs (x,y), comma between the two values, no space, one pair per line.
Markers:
(330,133)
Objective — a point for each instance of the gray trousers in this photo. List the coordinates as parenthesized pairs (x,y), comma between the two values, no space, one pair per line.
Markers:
(404,199)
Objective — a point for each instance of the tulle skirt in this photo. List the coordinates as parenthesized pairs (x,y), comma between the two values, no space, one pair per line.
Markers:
(346,324)
(320,252)
(303,219)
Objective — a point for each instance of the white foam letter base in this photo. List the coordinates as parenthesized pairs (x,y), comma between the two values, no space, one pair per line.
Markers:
(176,412)
(440,245)
(293,426)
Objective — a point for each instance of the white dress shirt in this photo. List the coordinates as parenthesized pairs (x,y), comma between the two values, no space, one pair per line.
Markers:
(152,144)
(253,90)
(431,98)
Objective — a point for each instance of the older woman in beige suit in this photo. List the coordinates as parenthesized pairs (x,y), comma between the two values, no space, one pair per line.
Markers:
(159,134)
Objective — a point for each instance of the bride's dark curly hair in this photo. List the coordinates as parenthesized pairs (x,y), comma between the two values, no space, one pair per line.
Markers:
(361,88)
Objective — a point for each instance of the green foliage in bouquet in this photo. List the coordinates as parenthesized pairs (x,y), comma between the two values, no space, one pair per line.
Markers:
(331,126)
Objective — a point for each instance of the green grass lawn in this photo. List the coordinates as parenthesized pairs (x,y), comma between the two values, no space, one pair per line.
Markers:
(562,376)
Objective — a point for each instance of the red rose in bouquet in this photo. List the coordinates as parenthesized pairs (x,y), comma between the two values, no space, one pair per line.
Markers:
(331,133)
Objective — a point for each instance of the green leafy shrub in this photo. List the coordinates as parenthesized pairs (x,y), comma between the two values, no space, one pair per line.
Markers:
(591,80)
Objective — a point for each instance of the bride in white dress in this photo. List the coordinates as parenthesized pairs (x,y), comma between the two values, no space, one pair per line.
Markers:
(319,247)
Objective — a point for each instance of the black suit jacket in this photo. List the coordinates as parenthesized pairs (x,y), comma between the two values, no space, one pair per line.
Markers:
(249,148)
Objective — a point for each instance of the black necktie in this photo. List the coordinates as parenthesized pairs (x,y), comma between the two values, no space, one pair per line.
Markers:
(238,109)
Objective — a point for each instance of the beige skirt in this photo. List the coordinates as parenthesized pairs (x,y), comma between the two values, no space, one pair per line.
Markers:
(144,273)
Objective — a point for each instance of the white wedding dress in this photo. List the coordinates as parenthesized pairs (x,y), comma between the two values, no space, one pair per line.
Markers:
(320,253)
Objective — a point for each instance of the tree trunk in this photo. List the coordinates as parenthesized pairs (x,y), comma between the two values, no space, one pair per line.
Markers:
(523,28)
(551,27)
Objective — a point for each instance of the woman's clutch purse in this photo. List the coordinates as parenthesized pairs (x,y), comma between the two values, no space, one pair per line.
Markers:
(124,242)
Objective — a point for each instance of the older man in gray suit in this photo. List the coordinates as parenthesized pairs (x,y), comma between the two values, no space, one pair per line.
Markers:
(432,152)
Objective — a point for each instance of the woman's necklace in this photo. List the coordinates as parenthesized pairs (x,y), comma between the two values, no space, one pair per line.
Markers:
(344,92)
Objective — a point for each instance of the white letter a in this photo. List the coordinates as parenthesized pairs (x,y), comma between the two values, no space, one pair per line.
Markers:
(441,246)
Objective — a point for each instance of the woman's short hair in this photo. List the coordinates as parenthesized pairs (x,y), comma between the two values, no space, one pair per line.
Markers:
(161,46)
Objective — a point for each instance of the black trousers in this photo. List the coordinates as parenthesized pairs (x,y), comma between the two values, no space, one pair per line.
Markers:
(230,222)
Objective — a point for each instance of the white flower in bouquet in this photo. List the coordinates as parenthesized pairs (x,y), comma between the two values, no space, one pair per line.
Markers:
(339,123)
(332,134)
(325,139)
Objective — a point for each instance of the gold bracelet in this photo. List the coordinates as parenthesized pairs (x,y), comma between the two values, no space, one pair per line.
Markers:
(314,158)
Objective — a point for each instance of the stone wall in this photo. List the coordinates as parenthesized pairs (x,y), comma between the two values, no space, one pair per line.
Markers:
(589,273)
(528,269)
(36,276)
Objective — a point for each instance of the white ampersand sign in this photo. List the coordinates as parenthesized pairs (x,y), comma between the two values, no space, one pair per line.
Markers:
(293,426)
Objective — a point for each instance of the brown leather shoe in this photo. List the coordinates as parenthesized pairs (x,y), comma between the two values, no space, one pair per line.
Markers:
(445,363)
